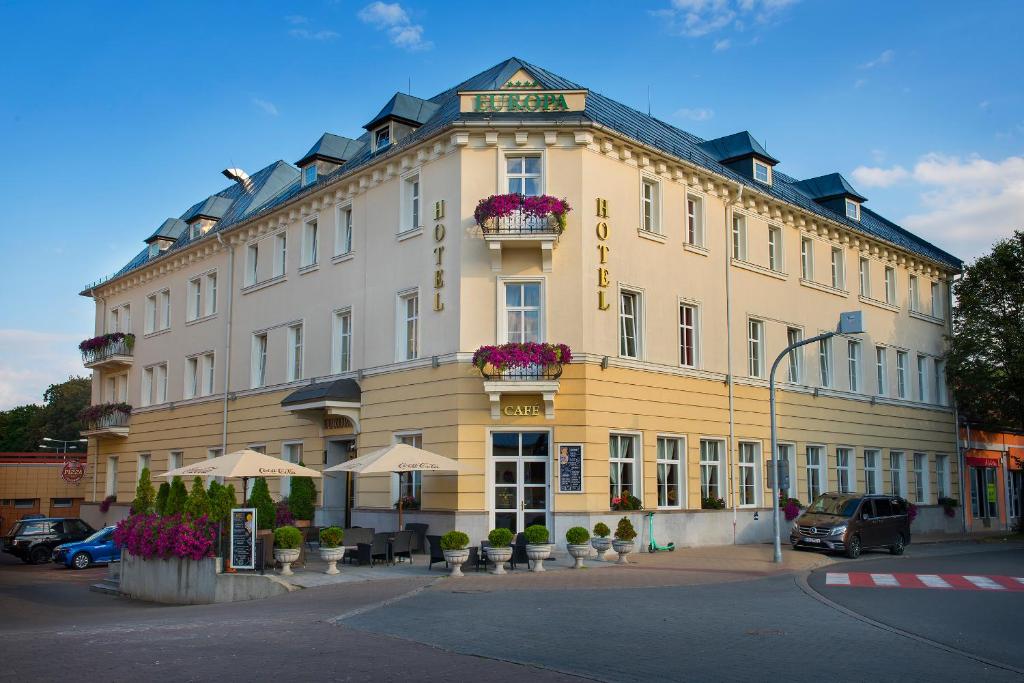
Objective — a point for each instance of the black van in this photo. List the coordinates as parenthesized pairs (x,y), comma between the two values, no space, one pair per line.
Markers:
(33,540)
(849,523)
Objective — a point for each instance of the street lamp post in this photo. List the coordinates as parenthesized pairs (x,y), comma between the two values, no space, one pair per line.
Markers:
(849,323)
(64,445)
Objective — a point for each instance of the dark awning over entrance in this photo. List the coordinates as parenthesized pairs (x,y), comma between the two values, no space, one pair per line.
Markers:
(343,390)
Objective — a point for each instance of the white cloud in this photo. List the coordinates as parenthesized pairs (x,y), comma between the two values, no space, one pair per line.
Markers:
(394,20)
(699,114)
(722,45)
(873,176)
(265,105)
(296,19)
(306,34)
(695,18)
(860,83)
(884,58)
(30,361)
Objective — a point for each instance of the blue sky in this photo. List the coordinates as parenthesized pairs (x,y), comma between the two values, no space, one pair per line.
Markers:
(114,116)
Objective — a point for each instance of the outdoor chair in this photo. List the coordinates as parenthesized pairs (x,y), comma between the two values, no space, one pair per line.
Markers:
(311,536)
(419,536)
(402,545)
(436,554)
(377,550)
(482,559)
(352,538)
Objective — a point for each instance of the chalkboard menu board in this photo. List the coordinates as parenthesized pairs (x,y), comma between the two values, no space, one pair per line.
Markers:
(243,538)
(570,468)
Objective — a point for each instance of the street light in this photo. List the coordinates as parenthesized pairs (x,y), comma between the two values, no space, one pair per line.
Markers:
(850,322)
(64,444)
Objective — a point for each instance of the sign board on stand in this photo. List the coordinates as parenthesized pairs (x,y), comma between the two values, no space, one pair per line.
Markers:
(570,468)
(243,538)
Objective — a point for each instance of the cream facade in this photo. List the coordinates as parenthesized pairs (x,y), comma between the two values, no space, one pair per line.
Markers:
(675,282)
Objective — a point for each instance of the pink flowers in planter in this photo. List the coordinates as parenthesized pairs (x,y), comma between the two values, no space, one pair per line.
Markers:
(154,537)
(524,355)
(541,206)
(97,412)
(104,340)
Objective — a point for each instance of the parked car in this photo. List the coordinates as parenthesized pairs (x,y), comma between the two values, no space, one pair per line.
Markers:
(850,523)
(33,540)
(97,549)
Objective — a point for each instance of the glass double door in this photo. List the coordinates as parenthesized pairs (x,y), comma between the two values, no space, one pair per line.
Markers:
(521,468)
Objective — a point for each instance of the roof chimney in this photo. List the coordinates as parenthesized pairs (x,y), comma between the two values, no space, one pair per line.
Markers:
(240,176)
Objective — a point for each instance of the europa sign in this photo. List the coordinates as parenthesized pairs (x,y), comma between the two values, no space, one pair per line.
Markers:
(534,101)
(73,471)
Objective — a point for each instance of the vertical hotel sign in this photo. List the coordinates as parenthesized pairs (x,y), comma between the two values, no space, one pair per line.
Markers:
(439,234)
(602,254)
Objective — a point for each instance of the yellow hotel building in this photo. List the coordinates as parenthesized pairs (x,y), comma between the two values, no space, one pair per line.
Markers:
(321,310)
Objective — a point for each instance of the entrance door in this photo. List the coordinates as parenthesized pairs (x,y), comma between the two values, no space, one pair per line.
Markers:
(337,509)
(521,468)
(984,501)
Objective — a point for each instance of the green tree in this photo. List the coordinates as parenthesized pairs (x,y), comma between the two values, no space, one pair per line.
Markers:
(62,404)
(302,499)
(985,363)
(260,499)
(177,497)
(198,503)
(162,494)
(20,430)
(145,495)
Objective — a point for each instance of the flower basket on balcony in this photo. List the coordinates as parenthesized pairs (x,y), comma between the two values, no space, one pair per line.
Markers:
(522,361)
(516,213)
(105,415)
(627,501)
(408,503)
(104,340)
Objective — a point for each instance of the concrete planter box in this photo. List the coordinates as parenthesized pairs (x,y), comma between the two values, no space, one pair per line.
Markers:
(180,581)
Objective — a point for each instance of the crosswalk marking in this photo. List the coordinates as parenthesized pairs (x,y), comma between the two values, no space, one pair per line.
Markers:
(837,579)
(985,583)
(933,581)
(954,582)
(884,580)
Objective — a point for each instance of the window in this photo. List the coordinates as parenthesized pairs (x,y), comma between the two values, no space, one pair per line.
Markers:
(872,473)
(523,174)
(760,172)
(852,210)
(711,485)
(786,455)
(410,203)
(890,285)
(939,382)
(342,341)
(775,249)
(796,371)
(838,269)
(309,243)
(755,348)
(154,384)
(629,324)
(174,460)
(309,174)
(650,207)
(825,362)
(806,258)
(739,237)
(914,296)
(195,230)
(896,473)
(815,472)
(294,353)
(381,138)
(191,377)
(922,378)
(206,365)
(750,455)
(343,230)
(670,468)
(259,360)
(408,326)
(121,318)
(290,453)
(921,478)
(881,371)
(410,484)
(211,293)
(142,464)
(688,335)
(523,314)
(936,299)
(622,472)
(150,313)
(942,476)
(694,220)
(844,470)
(252,264)
(212,453)
(195,298)
(853,363)
(158,311)
(901,374)
(111,487)
(865,277)
(61,502)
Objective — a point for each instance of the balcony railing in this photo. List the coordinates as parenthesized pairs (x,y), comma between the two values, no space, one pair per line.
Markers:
(521,223)
(107,417)
(529,373)
(107,347)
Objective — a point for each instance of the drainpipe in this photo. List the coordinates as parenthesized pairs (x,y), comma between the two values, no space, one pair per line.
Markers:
(227,344)
(961,457)
(96,466)
(728,346)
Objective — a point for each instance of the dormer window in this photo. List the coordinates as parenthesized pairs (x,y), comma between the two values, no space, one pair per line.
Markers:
(154,250)
(195,230)
(309,175)
(852,210)
(761,172)
(381,138)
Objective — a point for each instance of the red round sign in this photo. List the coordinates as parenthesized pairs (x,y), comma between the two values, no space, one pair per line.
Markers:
(73,471)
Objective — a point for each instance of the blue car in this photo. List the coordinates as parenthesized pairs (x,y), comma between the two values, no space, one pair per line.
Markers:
(97,549)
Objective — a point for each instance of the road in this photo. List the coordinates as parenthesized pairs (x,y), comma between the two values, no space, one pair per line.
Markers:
(713,628)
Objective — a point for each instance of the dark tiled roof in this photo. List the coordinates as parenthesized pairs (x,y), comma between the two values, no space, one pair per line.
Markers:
(334,390)
(333,147)
(827,186)
(172,228)
(737,146)
(406,108)
(214,206)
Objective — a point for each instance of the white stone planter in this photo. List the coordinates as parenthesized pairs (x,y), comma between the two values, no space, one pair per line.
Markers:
(455,558)
(601,545)
(537,554)
(578,552)
(286,556)
(499,556)
(623,548)
(332,556)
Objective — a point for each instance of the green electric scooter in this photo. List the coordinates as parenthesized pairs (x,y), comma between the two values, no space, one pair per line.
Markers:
(653,546)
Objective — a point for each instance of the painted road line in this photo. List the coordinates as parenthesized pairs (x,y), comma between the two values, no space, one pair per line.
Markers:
(985,583)
(885,580)
(837,579)
(933,581)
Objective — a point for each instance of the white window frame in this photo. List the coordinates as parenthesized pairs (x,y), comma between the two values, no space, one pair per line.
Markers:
(855,212)
(280,254)
(826,367)
(296,352)
(695,331)
(890,285)
(142,463)
(211,293)
(146,394)
(414,481)
(212,453)
(922,378)
(760,165)
(936,294)
(310,242)
(192,374)
(807,258)
(160,379)
(411,202)
(754,469)
(695,228)
(738,246)
(873,473)
(838,268)
(175,459)
(795,369)
(776,252)
(705,465)
(288,455)
(901,459)
(650,206)
(252,263)
(865,277)
(195,298)
(820,469)
(504,176)
(377,146)
(208,368)
(793,490)
(902,376)
(258,359)
(881,370)
(755,347)
(503,310)
(341,361)
(679,462)
(343,220)
(638,322)
(402,320)
(635,463)
(309,174)
(922,492)
(942,480)
(939,381)
(111,484)
(853,364)
(913,294)
(849,469)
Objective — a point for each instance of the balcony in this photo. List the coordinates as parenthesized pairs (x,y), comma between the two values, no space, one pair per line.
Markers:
(108,351)
(106,419)
(521,369)
(516,222)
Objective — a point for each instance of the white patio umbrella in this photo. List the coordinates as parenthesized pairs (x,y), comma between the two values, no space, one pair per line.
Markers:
(397,459)
(244,464)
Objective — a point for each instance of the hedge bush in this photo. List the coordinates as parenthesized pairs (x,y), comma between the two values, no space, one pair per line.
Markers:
(500,538)
(177,498)
(625,531)
(454,540)
(287,538)
(536,534)
(601,530)
(577,535)
(331,537)
(266,511)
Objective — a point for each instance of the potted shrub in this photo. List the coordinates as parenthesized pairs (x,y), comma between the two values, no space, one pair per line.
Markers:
(576,543)
(623,543)
(287,540)
(331,549)
(538,548)
(454,545)
(600,541)
(500,549)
